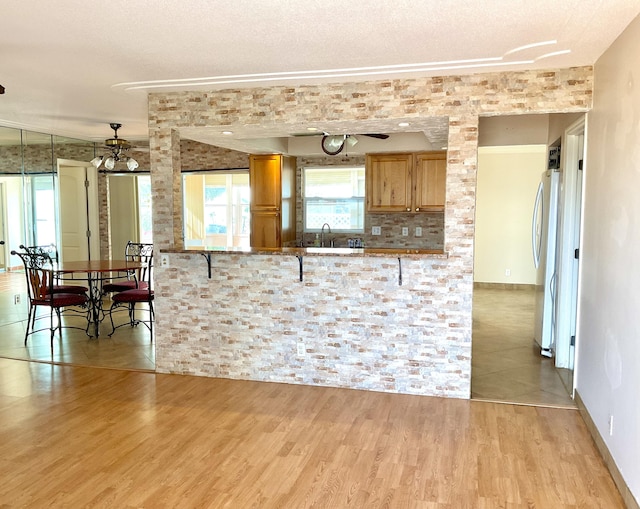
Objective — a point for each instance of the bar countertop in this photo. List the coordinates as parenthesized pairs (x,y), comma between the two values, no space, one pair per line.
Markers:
(315,251)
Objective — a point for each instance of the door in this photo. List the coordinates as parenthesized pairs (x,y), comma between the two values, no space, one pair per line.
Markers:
(78,210)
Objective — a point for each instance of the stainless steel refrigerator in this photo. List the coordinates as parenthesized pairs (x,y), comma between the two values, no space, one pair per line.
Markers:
(544,240)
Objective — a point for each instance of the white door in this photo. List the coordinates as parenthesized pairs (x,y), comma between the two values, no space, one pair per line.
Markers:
(78,209)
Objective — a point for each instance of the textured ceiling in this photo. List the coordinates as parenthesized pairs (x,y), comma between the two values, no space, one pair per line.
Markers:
(72,67)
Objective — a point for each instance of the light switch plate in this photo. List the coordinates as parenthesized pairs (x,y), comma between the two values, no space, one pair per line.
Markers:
(405,231)
(375,230)
(418,231)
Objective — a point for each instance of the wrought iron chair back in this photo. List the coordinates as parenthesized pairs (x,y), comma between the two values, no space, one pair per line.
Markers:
(40,274)
(133,252)
(52,251)
(142,294)
(49,249)
(142,253)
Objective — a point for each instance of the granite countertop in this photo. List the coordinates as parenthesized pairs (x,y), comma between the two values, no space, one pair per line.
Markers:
(315,251)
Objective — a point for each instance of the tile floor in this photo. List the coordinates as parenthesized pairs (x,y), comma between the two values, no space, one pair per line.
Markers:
(505,364)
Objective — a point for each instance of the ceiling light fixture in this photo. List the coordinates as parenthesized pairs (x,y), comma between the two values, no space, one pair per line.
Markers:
(332,145)
(118,149)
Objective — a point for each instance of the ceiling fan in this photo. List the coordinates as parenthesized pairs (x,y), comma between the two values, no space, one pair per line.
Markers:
(334,144)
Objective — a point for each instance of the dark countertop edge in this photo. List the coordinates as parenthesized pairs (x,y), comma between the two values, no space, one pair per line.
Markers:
(318,251)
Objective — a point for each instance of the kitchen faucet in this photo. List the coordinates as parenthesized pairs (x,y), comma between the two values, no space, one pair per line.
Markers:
(322,233)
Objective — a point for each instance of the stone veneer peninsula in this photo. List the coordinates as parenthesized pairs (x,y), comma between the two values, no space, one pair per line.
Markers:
(357,325)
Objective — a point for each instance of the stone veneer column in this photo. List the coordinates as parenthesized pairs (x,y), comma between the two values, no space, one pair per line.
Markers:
(166,188)
(104,214)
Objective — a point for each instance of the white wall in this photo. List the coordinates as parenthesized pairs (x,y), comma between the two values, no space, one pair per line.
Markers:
(508,180)
(608,343)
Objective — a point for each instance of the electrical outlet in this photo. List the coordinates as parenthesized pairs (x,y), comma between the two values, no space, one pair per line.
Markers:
(16,299)
(164,260)
(611,425)
(376,230)
(507,272)
(405,231)
(301,349)
(418,231)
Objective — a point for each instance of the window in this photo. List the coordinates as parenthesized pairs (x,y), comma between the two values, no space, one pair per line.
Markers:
(334,195)
(144,209)
(217,209)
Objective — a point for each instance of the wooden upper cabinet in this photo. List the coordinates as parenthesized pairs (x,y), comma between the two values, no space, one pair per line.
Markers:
(430,177)
(273,196)
(388,182)
(406,182)
(266,182)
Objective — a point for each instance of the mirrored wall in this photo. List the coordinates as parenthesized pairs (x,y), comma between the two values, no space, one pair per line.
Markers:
(28,165)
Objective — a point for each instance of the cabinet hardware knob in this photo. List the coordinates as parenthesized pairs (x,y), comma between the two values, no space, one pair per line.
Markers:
(408,209)
(417,209)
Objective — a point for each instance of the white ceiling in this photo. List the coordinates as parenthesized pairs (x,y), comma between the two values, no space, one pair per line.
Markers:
(71,67)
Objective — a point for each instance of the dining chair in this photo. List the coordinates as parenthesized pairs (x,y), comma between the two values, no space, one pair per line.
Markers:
(52,251)
(129,298)
(39,270)
(135,279)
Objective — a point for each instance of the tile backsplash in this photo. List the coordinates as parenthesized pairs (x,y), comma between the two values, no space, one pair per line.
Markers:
(432,225)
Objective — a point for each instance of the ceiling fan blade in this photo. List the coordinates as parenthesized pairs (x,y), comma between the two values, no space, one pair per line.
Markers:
(379,136)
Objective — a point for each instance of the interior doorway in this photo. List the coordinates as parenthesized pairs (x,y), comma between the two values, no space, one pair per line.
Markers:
(506,366)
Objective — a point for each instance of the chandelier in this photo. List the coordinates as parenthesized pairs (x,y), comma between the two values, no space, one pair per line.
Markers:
(117,149)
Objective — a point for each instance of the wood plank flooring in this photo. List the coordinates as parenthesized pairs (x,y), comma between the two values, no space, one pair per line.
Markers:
(86,437)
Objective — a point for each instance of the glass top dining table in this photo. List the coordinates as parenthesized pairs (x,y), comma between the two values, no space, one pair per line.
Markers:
(95,272)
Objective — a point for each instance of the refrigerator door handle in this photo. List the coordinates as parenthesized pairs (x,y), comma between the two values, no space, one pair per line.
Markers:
(536,234)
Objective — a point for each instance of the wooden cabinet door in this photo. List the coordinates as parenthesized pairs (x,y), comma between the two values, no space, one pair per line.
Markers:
(430,176)
(265,229)
(388,182)
(266,187)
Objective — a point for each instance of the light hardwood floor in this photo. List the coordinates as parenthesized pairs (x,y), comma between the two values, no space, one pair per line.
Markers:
(505,364)
(86,437)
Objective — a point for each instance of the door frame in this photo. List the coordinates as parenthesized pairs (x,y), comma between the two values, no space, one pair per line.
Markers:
(568,282)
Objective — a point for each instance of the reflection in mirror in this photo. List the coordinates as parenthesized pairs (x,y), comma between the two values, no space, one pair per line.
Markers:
(11,224)
(74,149)
(40,209)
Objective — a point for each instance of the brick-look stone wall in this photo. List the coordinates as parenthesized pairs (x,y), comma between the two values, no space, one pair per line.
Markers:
(358,326)
(200,156)
(41,158)
(242,323)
